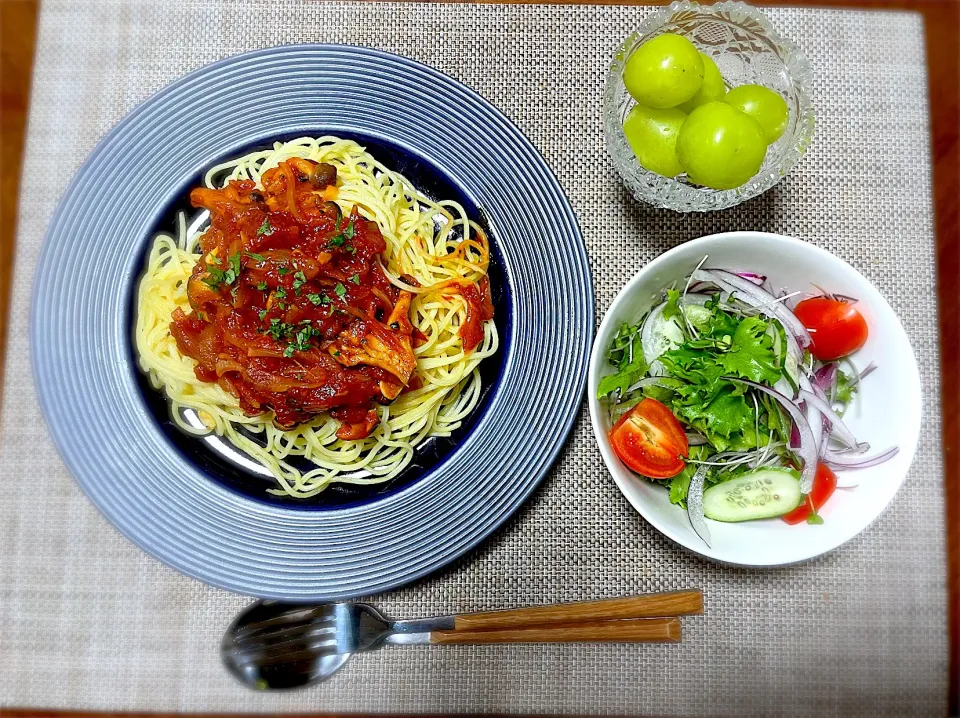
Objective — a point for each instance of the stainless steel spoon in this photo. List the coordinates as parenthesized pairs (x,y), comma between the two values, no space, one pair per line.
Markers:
(273,645)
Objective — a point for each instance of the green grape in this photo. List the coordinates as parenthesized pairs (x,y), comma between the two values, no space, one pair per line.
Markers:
(664,71)
(764,105)
(652,133)
(720,147)
(711,90)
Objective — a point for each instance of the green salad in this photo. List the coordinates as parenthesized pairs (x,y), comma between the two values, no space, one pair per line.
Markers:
(719,395)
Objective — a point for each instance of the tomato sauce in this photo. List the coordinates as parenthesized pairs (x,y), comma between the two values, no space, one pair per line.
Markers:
(290,309)
(479,310)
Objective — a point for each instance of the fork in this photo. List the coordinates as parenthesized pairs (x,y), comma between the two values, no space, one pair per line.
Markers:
(274,645)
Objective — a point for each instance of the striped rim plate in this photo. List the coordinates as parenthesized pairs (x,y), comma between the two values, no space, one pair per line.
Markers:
(81,325)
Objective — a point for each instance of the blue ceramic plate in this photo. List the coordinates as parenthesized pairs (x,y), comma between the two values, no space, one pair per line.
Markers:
(174,496)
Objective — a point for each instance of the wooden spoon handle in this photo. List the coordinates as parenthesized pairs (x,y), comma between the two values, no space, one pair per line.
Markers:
(641,630)
(650,605)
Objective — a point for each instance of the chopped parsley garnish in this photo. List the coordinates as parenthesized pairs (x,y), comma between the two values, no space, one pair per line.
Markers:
(339,239)
(299,279)
(263,314)
(256,257)
(355,279)
(217,276)
(265,228)
(303,336)
(315,299)
(277,329)
(283,271)
(281,293)
(263,286)
(340,290)
(301,341)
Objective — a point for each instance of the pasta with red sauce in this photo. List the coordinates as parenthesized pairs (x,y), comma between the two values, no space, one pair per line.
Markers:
(315,308)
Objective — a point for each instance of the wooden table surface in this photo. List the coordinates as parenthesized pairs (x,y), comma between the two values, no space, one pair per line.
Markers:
(942,22)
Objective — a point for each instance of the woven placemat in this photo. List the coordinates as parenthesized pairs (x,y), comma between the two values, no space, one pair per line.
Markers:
(89,621)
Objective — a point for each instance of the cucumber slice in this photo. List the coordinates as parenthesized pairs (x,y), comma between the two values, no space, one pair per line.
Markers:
(699,316)
(659,335)
(760,494)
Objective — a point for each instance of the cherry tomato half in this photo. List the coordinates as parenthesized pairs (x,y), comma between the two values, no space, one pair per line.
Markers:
(836,327)
(824,484)
(650,440)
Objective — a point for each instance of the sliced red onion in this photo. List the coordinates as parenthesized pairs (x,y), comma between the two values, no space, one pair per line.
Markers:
(838,429)
(870,368)
(794,436)
(784,387)
(838,297)
(826,377)
(860,448)
(814,389)
(840,461)
(753,277)
(823,441)
(759,299)
(695,505)
(695,439)
(806,448)
(815,418)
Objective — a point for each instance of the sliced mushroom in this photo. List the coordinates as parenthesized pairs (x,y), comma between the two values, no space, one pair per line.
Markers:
(332,209)
(390,389)
(359,430)
(323,175)
(199,292)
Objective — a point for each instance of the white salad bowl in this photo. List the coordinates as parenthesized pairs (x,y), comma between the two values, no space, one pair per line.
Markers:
(885,413)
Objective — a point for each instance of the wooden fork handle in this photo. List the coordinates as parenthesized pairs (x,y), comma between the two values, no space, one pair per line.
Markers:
(641,630)
(651,605)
